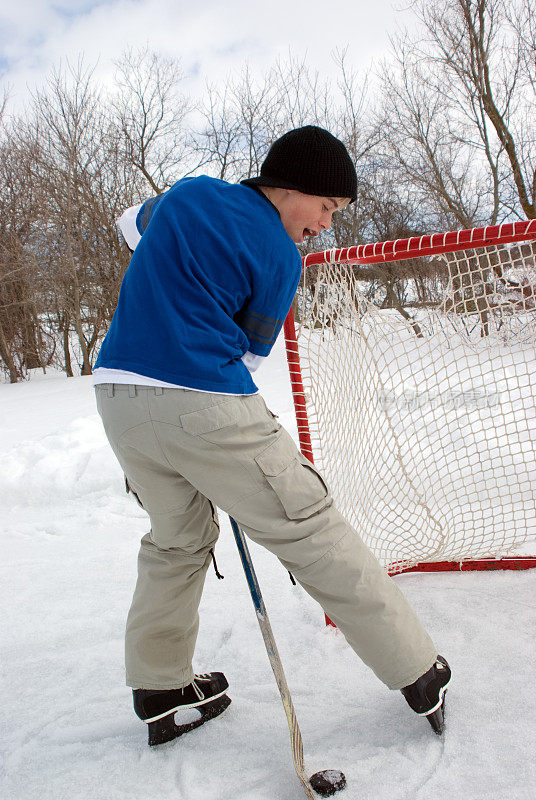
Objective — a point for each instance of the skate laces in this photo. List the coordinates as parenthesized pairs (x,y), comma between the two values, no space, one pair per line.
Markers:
(197,690)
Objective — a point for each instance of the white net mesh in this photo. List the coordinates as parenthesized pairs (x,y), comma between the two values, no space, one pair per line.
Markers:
(422,412)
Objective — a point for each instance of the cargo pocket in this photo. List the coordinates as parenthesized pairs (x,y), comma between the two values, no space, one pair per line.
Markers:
(298,485)
(207,420)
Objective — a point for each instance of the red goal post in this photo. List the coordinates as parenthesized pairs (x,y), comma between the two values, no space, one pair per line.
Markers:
(421,411)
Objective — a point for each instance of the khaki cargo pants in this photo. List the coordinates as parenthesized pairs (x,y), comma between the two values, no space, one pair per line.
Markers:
(184,453)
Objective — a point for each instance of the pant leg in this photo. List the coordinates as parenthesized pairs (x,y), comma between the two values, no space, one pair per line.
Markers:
(234,452)
(163,621)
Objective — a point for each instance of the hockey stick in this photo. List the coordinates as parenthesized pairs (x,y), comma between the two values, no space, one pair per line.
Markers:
(326,782)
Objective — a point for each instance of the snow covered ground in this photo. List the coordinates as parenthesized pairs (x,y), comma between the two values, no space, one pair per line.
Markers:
(69,538)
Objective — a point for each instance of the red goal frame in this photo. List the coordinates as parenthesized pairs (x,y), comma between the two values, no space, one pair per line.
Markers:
(390,251)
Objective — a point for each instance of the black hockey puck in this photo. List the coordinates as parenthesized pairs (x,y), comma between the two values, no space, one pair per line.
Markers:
(327,782)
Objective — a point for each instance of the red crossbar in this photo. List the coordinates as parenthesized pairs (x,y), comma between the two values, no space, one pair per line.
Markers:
(431,244)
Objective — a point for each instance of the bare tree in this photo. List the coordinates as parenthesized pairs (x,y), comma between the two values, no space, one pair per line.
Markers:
(458,113)
(243,119)
(219,142)
(83,185)
(24,343)
(6,332)
(151,116)
(239,124)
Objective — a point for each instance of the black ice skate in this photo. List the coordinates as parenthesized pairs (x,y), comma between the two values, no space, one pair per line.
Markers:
(427,695)
(157,707)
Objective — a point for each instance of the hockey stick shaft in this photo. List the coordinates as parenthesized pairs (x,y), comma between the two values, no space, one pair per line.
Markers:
(273,655)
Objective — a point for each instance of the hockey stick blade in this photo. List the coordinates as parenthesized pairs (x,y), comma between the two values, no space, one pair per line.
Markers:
(328,781)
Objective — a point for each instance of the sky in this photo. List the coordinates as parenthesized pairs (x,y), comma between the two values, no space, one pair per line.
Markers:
(213,39)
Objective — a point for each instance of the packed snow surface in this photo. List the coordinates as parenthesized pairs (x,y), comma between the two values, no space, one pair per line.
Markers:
(69,538)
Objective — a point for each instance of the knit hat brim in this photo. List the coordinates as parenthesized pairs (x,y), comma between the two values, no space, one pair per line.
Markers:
(265,181)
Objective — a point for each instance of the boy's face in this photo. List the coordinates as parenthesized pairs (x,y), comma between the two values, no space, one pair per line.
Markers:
(305,215)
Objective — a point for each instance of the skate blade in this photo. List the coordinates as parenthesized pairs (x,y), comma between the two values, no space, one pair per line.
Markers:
(437,719)
(165,729)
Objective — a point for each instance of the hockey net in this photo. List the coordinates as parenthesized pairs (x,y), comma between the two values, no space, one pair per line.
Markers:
(413,369)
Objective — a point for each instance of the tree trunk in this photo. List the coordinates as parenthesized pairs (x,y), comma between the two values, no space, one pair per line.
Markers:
(32,357)
(86,362)
(66,349)
(391,301)
(5,355)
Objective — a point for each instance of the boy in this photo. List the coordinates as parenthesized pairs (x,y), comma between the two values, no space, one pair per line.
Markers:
(212,278)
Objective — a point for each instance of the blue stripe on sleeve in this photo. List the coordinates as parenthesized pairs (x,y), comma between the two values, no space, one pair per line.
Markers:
(260,328)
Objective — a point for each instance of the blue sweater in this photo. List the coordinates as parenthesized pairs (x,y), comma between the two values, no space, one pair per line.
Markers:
(213,277)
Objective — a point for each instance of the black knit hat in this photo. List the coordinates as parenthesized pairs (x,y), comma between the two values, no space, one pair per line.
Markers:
(310,160)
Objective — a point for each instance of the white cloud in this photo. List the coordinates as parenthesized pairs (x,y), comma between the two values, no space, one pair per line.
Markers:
(212,38)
